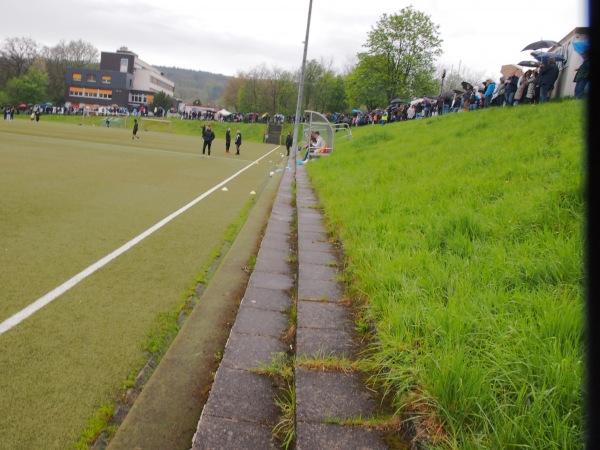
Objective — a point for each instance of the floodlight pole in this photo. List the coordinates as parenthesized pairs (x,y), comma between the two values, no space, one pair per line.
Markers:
(301,84)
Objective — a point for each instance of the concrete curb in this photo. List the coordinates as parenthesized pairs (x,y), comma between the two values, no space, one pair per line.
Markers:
(241,412)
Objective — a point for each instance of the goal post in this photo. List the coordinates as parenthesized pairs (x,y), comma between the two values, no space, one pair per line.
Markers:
(156,125)
(114,121)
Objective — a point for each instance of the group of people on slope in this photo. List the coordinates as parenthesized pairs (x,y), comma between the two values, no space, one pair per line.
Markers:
(534,86)
(208,135)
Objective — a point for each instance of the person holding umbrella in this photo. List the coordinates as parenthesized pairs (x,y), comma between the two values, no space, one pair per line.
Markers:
(548,75)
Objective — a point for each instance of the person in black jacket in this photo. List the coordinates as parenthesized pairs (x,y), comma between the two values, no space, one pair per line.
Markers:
(227,140)
(208,136)
(548,75)
(289,140)
(238,142)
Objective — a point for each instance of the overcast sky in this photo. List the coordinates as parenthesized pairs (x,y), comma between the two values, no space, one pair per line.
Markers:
(232,35)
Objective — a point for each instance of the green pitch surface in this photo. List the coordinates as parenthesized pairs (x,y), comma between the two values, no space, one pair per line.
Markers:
(71,195)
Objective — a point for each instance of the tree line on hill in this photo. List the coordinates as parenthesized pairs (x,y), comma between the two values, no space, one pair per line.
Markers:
(398,62)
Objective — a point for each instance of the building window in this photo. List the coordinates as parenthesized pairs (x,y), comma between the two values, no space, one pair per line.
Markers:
(91,78)
(105,79)
(124,64)
(76,77)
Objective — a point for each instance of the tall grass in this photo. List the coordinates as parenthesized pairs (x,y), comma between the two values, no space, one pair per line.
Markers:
(464,234)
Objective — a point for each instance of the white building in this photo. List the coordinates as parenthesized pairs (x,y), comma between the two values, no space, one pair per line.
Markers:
(565,87)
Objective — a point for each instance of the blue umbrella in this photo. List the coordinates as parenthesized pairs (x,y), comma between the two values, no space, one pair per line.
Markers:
(581,47)
(540,56)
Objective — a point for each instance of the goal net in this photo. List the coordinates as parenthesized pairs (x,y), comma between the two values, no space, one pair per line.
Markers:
(156,125)
(118,121)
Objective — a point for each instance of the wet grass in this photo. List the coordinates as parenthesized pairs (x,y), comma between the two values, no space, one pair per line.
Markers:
(463,236)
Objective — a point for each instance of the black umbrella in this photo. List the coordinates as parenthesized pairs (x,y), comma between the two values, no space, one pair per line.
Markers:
(541,44)
(464,84)
(397,100)
(529,64)
(448,94)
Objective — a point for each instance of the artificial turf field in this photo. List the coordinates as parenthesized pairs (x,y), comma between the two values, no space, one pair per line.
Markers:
(71,195)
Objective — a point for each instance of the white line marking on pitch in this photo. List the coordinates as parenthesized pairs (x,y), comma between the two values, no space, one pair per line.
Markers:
(20,316)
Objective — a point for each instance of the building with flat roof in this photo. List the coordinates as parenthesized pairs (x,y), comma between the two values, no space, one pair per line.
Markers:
(123,81)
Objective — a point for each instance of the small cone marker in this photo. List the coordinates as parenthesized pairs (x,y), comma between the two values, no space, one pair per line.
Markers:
(225,189)
(252,193)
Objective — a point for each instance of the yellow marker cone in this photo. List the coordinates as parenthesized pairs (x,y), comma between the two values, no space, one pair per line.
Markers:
(252,193)
(225,189)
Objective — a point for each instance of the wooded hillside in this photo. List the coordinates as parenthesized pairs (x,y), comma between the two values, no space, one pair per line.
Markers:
(191,85)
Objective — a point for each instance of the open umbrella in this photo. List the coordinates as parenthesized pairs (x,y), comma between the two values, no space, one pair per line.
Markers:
(464,84)
(581,47)
(540,55)
(22,105)
(529,64)
(508,70)
(449,94)
(541,44)
(397,100)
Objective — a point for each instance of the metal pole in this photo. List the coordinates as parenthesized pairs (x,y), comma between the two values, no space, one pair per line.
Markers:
(301,84)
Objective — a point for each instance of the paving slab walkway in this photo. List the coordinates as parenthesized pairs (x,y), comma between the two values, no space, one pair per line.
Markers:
(241,411)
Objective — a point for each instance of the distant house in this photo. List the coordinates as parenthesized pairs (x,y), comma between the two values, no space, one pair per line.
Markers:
(565,87)
(123,81)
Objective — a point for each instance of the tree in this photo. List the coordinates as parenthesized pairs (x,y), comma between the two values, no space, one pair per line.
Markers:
(17,55)
(29,88)
(230,96)
(402,49)
(162,100)
(362,88)
(78,54)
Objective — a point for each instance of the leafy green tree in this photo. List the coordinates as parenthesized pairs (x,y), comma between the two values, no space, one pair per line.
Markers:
(402,49)
(336,100)
(162,100)
(362,88)
(28,88)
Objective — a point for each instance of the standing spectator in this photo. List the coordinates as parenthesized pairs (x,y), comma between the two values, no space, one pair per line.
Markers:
(520,94)
(208,137)
(445,106)
(238,142)
(384,117)
(511,89)
(37,114)
(548,75)
(426,109)
(582,76)
(455,106)
(289,140)
(473,100)
(500,93)
(418,110)
(228,140)
(531,87)
(489,92)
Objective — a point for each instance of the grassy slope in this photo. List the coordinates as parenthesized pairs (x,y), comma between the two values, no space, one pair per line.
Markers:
(464,234)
